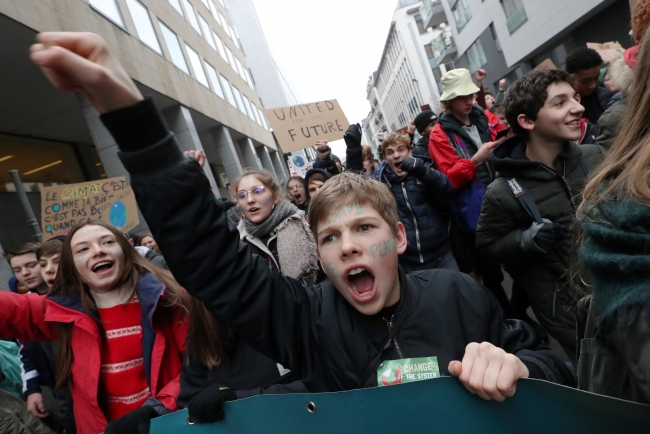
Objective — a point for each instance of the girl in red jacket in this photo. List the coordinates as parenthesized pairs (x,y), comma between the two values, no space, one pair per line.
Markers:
(121,324)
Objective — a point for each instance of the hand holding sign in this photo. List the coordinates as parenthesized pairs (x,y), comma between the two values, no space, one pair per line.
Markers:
(80,62)
(488,371)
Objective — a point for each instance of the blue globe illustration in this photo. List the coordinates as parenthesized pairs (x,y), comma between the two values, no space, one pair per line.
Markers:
(117,214)
(298,161)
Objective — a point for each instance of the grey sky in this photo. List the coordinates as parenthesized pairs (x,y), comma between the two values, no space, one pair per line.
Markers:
(328,49)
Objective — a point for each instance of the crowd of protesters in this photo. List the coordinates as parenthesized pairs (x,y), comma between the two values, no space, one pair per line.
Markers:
(310,286)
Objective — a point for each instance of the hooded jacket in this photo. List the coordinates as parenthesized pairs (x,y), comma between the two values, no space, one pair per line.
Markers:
(311,329)
(421,148)
(610,121)
(459,169)
(307,175)
(419,202)
(556,191)
(33,317)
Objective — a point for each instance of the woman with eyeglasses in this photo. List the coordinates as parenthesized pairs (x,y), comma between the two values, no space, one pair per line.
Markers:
(275,228)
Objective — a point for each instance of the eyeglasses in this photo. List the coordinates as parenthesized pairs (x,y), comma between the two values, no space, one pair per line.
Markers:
(255,191)
(295,187)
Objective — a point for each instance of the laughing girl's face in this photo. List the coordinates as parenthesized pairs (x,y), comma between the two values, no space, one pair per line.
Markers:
(98,258)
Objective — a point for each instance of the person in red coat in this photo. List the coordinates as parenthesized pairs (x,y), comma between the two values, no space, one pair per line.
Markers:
(460,145)
(121,324)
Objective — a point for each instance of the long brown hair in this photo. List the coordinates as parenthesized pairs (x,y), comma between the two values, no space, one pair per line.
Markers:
(625,170)
(68,283)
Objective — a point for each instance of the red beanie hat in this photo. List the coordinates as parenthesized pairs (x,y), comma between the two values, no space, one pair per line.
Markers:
(630,56)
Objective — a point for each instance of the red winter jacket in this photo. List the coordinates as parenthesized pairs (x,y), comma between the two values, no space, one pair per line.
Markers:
(460,170)
(32,317)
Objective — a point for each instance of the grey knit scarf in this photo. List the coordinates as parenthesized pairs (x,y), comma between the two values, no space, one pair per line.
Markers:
(282,211)
(295,242)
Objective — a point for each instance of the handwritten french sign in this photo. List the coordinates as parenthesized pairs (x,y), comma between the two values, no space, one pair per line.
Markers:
(110,200)
(299,126)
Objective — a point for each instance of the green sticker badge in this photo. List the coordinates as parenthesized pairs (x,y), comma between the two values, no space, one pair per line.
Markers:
(407,370)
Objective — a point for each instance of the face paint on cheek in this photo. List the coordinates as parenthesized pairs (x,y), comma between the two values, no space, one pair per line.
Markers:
(81,261)
(383,248)
(330,271)
(115,250)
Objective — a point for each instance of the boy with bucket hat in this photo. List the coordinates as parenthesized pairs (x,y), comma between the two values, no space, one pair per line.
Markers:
(461,144)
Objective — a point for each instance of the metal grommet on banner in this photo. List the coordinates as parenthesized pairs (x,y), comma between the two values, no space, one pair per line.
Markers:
(311,407)
(190,421)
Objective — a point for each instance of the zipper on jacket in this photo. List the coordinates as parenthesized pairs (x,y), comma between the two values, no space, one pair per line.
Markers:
(417,232)
(390,330)
(566,185)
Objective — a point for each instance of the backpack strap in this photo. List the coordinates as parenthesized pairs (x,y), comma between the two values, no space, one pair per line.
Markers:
(518,190)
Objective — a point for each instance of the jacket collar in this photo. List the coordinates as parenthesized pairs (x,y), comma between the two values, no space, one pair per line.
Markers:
(450,124)
(509,158)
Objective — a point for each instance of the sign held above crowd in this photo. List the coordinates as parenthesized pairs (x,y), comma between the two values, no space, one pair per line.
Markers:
(609,51)
(110,200)
(299,126)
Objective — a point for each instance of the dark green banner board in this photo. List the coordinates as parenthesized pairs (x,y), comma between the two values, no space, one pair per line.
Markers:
(441,405)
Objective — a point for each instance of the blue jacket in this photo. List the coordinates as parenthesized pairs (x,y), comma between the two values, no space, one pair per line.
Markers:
(419,206)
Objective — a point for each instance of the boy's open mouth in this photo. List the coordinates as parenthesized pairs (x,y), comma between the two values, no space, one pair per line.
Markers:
(297,197)
(102,267)
(361,283)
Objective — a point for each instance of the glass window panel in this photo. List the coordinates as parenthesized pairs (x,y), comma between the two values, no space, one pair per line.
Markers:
(249,108)
(177,5)
(248,76)
(213,7)
(222,3)
(255,115)
(222,20)
(174,48)
(259,115)
(233,35)
(240,102)
(205,2)
(214,80)
(197,67)
(143,25)
(191,15)
(207,32)
(231,58)
(265,124)
(240,68)
(228,91)
(221,49)
(109,9)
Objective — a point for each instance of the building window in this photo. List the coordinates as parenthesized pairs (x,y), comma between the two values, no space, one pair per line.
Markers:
(249,77)
(191,15)
(222,20)
(260,113)
(240,69)
(214,80)
(207,32)
(176,4)
(462,14)
(233,35)
(240,101)
(222,48)
(109,9)
(205,3)
(495,36)
(420,24)
(231,58)
(228,91)
(174,48)
(143,25)
(476,56)
(515,14)
(249,107)
(213,7)
(197,67)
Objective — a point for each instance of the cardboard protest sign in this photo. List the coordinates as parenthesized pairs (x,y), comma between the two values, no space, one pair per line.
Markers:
(546,65)
(440,405)
(111,200)
(609,51)
(299,126)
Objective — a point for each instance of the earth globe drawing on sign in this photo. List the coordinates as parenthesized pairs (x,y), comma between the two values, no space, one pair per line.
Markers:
(298,161)
(117,214)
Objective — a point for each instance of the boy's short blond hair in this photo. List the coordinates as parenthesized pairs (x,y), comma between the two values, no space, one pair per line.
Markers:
(349,188)
(394,138)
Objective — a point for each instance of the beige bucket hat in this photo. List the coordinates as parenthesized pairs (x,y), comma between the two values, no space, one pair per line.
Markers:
(457,82)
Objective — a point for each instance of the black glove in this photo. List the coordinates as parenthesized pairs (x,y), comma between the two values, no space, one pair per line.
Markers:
(352,136)
(323,152)
(136,422)
(206,406)
(413,166)
(542,237)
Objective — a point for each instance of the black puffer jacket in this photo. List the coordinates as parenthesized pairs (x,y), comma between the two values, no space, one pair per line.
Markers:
(312,330)
(419,205)
(421,148)
(556,192)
